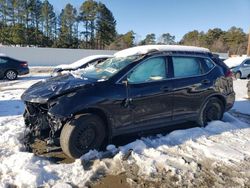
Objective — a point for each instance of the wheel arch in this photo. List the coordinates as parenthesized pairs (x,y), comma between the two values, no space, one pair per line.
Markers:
(220,97)
(203,105)
(11,69)
(238,71)
(100,113)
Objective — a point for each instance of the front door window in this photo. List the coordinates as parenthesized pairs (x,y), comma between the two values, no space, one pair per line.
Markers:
(153,69)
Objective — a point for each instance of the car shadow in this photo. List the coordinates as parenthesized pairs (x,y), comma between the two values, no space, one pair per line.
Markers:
(186,131)
(126,139)
(24,78)
(242,106)
(32,77)
(11,107)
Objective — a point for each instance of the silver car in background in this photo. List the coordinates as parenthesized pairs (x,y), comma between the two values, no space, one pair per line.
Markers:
(240,66)
(80,64)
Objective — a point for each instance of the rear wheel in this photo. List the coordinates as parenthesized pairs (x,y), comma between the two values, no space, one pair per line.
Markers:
(11,74)
(211,111)
(83,133)
(238,75)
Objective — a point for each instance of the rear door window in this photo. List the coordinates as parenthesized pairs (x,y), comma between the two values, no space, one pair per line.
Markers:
(186,66)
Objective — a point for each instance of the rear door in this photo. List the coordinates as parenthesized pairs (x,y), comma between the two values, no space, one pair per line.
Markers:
(191,84)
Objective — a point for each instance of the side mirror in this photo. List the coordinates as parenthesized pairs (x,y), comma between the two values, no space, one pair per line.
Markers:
(125,82)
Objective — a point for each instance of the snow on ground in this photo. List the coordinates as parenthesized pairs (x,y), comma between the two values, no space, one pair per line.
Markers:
(220,150)
(243,103)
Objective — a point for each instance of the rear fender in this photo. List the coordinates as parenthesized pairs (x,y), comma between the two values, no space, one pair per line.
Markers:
(220,97)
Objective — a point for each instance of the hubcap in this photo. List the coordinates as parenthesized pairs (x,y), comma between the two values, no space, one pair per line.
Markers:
(86,138)
(11,75)
(212,113)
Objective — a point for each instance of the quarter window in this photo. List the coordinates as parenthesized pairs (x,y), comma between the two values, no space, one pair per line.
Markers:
(153,69)
(207,64)
(186,66)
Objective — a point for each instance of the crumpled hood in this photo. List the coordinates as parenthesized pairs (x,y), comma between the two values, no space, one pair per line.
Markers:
(42,91)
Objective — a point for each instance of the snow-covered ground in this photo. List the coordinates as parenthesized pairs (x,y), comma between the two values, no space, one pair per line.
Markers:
(218,155)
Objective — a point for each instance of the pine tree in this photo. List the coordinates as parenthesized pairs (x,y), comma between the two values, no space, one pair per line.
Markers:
(105,26)
(235,39)
(48,21)
(67,36)
(149,39)
(123,41)
(36,18)
(166,38)
(88,12)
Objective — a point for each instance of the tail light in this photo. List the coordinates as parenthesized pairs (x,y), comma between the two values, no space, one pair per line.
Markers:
(24,64)
(229,73)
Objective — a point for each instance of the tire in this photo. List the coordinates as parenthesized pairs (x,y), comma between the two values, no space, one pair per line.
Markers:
(211,111)
(81,134)
(11,74)
(238,75)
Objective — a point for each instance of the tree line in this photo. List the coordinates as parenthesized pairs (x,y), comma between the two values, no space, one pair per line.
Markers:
(93,26)
(233,41)
(35,23)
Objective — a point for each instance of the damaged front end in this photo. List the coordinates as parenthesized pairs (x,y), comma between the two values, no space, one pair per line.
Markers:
(39,99)
(41,125)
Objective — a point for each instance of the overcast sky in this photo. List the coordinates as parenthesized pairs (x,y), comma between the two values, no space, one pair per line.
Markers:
(174,16)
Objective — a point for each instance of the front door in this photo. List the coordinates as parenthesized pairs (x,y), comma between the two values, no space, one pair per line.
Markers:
(150,94)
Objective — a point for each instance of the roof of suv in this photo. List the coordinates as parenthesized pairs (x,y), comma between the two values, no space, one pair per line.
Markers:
(140,50)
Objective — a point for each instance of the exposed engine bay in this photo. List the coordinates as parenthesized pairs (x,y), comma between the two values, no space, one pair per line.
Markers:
(41,125)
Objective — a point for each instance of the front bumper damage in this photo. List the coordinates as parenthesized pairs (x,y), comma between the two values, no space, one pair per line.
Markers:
(42,125)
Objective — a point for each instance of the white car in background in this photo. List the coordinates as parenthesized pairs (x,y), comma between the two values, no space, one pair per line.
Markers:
(240,66)
(80,64)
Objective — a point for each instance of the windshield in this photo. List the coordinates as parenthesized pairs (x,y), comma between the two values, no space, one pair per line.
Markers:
(103,71)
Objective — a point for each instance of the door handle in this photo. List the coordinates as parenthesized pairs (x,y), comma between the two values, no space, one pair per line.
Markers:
(166,88)
(206,81)
(127,102)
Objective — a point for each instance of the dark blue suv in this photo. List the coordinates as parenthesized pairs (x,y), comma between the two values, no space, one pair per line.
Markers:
(140,89)
(10,68)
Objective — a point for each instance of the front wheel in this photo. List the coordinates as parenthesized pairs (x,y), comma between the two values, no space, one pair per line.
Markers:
(81,134)
(238,75)
(211,111)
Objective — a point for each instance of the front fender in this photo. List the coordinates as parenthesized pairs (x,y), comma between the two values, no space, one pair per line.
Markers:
(68,105)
